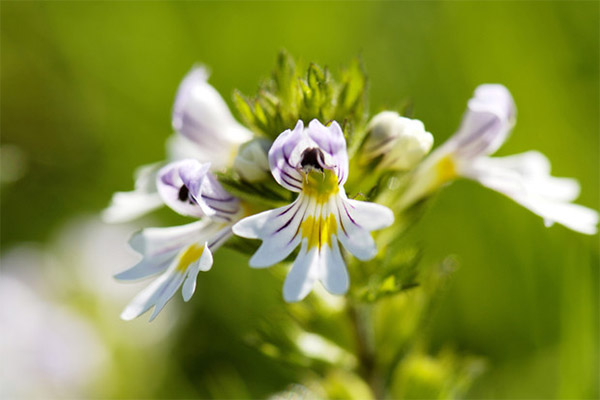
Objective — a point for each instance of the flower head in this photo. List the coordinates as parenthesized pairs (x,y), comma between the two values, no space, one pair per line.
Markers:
(206,131)
(525,178)
(314,163)
(179,253)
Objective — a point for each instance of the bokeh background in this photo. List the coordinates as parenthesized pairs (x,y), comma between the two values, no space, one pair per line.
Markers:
(87,90)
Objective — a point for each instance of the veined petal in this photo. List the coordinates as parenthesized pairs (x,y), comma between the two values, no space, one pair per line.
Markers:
(175,192)
(331,140)
(317,147)
(190,189)
(279,229)
(489,118)
(127,206)
(356,219)
(284,172)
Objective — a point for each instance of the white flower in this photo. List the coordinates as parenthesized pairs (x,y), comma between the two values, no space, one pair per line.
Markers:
(314,163)
(402,142)
(205,131)
(179,253)
(525,178)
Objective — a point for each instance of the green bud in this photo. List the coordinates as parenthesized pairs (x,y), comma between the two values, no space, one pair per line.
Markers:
(251,162)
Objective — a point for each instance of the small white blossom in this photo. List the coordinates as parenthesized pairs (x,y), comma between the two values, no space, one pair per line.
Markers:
(402,142)
(205,131)
(179,253)
(525,178)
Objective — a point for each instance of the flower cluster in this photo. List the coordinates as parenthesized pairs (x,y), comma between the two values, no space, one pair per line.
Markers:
(283,178)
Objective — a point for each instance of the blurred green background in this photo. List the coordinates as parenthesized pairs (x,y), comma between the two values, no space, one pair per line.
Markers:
(87,90)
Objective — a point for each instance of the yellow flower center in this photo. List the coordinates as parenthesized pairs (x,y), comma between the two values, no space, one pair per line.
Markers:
(191,254)
(445,169)
(320,185)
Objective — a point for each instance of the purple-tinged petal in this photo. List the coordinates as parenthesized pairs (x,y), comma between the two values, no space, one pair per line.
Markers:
(331,140)
(175,192)
(489,118)
(284,171)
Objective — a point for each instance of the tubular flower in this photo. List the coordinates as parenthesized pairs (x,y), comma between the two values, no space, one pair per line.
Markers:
(525,178)
(179,253)
(205,130)
(314,163)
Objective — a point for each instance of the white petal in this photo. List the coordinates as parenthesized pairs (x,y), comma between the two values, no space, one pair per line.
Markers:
(487,122)
(151,295)
(201,114)
(305,271)
(203,264)
(355,221)
(573,216)
(371,216)
(157,241)
(279,230)
(534,168)
(334,275)
(126,206)
(148,266)
(542,194)
(160,246)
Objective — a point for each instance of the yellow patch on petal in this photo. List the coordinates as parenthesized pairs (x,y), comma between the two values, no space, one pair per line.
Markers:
(318,231)
(320,185)
(445,169)
(191,254)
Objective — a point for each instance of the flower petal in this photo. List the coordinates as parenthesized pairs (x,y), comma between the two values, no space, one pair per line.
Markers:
(201,115)
(204,263)
(127,206)
(160,245)
(279,229)
(489,118)
(331,140)
(284,172)
(305,271)
(542,194)
(157,294)
(334,274)
(175,192)
(356,219)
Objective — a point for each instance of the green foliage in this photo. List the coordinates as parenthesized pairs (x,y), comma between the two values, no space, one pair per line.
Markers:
(293,93)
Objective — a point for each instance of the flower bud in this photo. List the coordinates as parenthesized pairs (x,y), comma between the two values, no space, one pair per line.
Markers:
(402,142)
(251,162)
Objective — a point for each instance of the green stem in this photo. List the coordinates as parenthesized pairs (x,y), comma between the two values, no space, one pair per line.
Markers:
(360,315)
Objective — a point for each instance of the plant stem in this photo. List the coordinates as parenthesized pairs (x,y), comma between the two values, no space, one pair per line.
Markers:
(360,315)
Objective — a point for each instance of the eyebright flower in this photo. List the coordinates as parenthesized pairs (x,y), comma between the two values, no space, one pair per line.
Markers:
(314,163)
(401,142)
(525,177)
(205,130)
(179,253)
